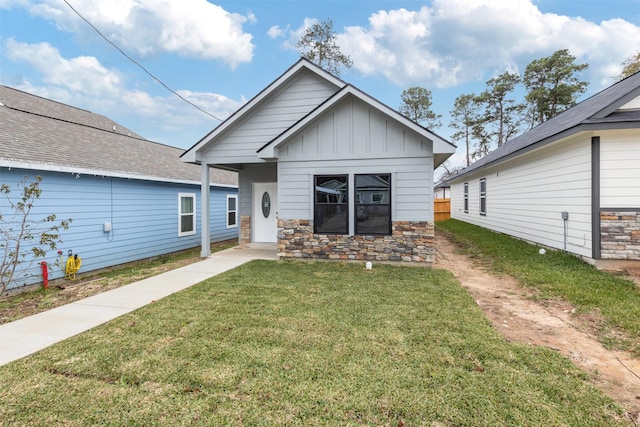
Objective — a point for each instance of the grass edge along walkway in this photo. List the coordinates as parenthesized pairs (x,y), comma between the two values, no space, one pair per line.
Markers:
(291,343)
(613,300)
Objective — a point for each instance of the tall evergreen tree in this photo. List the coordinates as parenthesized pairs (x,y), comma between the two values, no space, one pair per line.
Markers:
(552,85)
(318,45)
(502,116)
(464,115)
(416,105)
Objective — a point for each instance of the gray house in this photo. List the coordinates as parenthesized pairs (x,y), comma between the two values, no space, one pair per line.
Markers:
(571,183)
(327,172)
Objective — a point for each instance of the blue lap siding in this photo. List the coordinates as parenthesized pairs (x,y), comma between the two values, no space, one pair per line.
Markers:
(143,215)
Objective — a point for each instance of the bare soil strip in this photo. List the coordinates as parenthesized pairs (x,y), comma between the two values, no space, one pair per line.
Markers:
(513,312)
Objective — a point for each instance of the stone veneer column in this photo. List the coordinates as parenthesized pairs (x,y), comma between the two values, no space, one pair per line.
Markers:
(411,241)
(620,235)
(245,229)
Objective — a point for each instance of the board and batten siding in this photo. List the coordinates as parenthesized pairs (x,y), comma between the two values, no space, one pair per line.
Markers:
(620,169)
(525,196)
(143,216)
(352,139)
(410,184)
(279,112)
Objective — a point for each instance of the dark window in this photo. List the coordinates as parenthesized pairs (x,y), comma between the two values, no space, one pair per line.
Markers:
(483,196)
(331,204)
(373,204)
(466,197)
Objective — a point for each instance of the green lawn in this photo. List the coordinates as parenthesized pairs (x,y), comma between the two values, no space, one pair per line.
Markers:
(288,343)
(559,275)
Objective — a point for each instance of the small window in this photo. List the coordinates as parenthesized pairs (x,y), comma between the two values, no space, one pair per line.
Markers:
(466,197)
(331,208)
(186,214)
(232,210)
(373,204)
(483,196)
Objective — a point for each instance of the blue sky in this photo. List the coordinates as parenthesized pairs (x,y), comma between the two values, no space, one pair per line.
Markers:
(220,54)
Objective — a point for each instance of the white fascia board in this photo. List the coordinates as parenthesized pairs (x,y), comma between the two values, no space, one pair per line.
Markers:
(191,156)
(97,172)
(268,152)
(440,145)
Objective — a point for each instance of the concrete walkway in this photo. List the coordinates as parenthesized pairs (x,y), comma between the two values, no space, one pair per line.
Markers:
(31,334)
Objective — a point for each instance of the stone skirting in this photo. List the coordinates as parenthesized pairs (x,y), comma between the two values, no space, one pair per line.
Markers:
(245,229)
(410,242)
(620,235)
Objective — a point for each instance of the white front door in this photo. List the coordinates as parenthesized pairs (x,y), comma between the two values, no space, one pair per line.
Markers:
(265,205)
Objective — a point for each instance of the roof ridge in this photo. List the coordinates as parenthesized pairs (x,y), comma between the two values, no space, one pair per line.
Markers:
(49,100)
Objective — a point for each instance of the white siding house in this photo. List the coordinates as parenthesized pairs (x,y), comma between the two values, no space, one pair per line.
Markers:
(326,171)
(571,183)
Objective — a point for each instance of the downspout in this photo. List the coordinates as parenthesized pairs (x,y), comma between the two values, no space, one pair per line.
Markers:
(205,203)
(595,197)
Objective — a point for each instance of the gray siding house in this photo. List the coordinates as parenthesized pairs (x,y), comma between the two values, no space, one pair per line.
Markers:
(571,183)
(327,172)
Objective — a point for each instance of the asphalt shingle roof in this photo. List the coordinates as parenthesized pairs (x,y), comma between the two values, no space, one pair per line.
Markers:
(599,109)
(39,131)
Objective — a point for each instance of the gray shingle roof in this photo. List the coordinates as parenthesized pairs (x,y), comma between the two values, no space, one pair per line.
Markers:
(596,112)
(43,133)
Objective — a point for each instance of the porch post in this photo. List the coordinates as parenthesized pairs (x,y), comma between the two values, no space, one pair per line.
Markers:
(205,202)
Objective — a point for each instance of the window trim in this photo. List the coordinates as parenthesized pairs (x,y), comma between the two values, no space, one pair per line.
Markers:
(235,211)
(466,197)
(483,196)
(181,214)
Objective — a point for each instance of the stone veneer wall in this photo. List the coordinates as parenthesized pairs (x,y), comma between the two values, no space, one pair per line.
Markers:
(245,229)
(620,235)
(410,242)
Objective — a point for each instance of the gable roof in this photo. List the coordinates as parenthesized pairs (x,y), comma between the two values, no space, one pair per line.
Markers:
(254,103)
(442,148)
(600,111)
(38,133)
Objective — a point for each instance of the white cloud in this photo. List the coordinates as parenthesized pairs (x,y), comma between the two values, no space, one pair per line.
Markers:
(97,88)
(83,75)
(276,32)
(192,28)
(292,36)
(457,41)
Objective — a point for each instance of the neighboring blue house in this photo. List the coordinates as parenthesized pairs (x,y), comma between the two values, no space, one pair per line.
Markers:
(129,198)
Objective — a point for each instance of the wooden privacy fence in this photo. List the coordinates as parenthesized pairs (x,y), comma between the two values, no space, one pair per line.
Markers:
(441,209)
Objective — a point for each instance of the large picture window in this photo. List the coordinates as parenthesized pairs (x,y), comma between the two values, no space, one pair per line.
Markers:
(186,214)
(373,204)
(331,203)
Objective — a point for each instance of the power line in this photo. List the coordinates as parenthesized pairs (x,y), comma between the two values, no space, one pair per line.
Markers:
(138,64)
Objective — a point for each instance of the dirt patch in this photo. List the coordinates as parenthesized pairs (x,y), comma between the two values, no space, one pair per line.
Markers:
(519,318)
